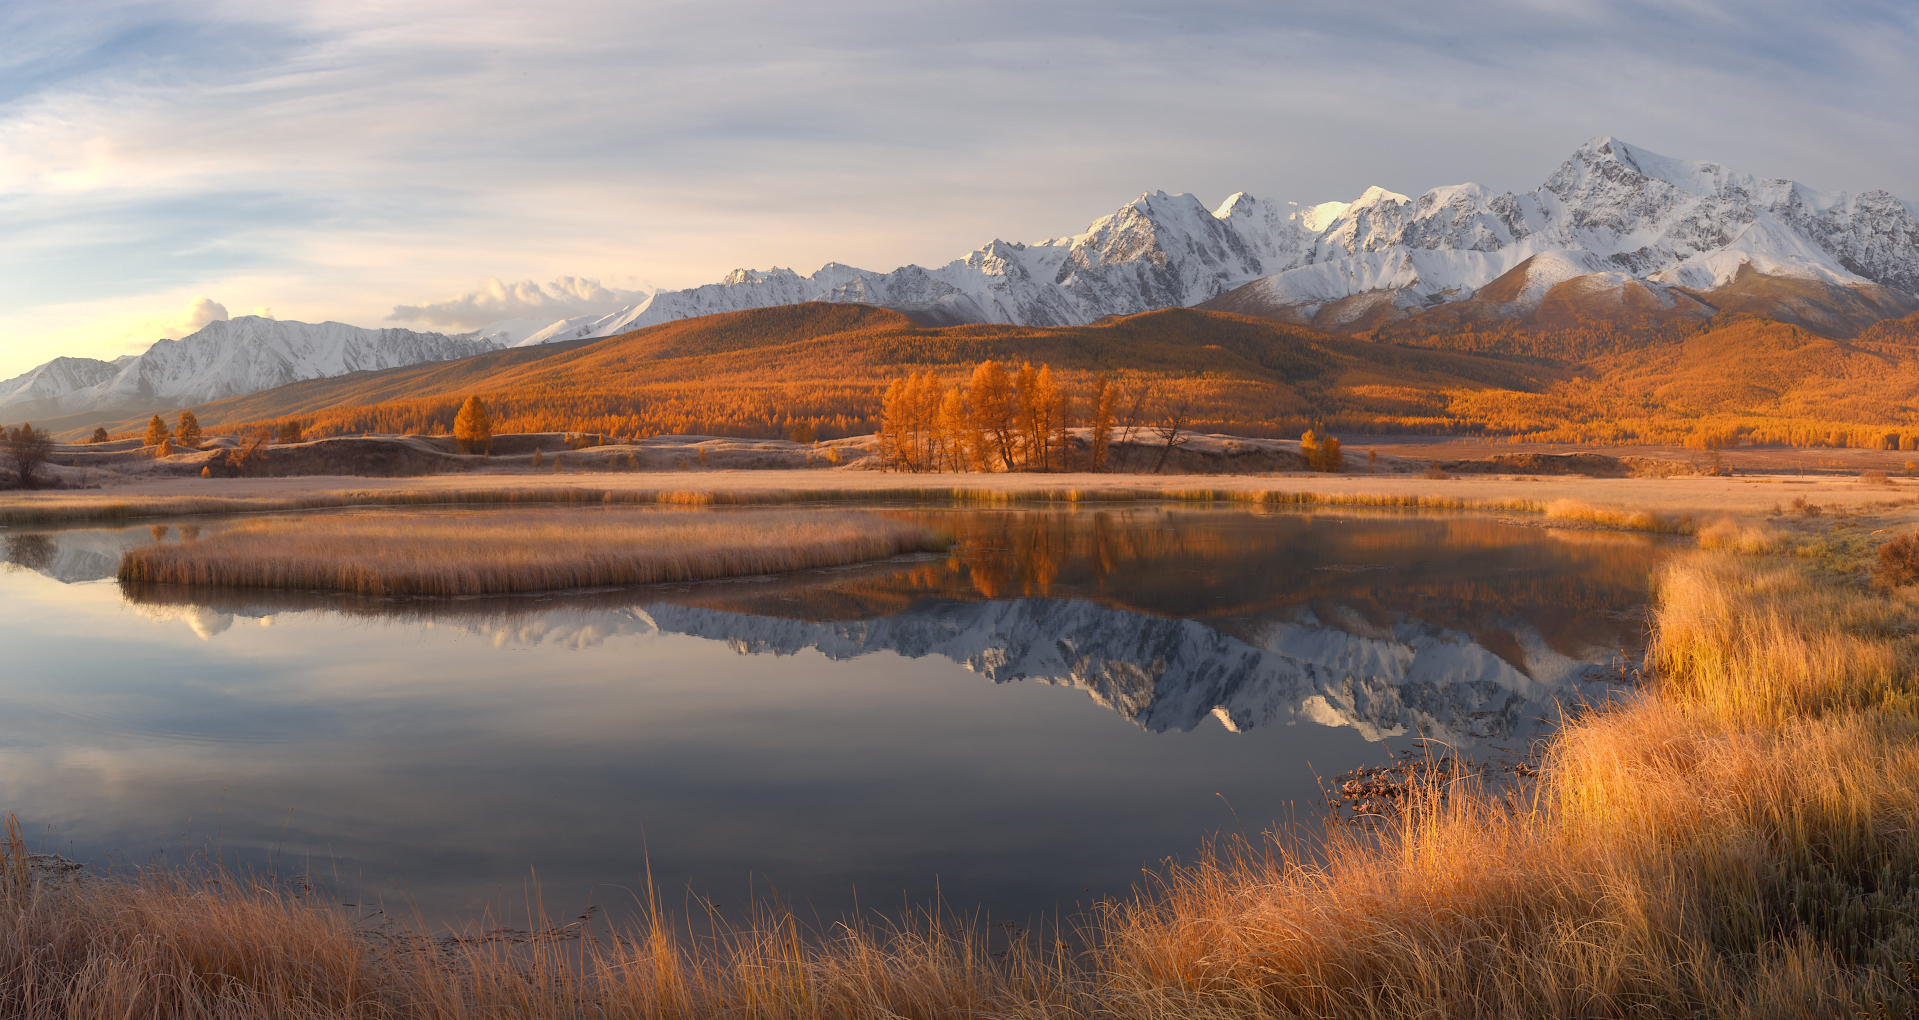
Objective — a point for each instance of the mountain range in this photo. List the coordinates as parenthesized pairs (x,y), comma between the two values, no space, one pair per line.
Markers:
(226,358)
(1616,233)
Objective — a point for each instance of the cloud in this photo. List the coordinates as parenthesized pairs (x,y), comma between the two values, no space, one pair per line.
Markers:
(136,336)
(495,300)
(202,311)
(332,160)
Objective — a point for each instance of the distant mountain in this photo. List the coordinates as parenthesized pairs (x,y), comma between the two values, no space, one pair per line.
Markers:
(1616,232)
(226,358)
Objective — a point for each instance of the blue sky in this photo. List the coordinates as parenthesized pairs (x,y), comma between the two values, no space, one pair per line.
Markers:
(337,160)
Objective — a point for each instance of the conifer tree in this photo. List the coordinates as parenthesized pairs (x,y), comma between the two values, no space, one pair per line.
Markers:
(289,432)
(958,442)
(157,431)
(995,413)
(189,432)
(1048,409)
(99,436)
(1104,406)
(473,426)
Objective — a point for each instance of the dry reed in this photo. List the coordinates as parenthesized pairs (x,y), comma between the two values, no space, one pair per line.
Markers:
(1750,538)
(1630,520)
(1741,840)
(491,554)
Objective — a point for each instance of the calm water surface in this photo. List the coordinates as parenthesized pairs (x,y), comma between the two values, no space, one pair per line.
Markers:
(1023,725)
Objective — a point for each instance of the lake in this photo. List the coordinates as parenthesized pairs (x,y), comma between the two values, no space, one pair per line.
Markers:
(1022,725)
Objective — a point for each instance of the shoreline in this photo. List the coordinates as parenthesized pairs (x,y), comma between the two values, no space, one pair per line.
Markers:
(1698,497)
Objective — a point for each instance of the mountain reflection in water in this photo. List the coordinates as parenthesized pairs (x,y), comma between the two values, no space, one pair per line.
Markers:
(1457,627)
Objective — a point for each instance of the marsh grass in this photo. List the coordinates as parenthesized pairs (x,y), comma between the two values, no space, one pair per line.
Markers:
(1751,538)
(504,553)
(1739,840)
(1630,520)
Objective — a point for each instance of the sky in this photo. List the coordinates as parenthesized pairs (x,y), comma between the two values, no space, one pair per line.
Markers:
(440,165)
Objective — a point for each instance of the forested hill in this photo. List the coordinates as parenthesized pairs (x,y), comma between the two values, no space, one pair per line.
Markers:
(824,367)
(763,371)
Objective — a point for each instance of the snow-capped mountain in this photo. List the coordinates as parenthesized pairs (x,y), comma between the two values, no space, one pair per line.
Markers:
(1622,227)
(226,358)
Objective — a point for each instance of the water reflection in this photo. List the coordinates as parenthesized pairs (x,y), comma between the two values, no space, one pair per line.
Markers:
(1459,628)
(816,730)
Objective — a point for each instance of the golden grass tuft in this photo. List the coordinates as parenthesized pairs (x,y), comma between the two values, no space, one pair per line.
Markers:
(500,553)
(1749,538)
(1748,644)
(1630,520)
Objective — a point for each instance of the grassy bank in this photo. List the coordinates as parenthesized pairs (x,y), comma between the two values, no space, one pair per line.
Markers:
(1740,842)
(501,553)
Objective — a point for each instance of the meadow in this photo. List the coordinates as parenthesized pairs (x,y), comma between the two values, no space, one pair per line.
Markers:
(1736,841)
(451,555)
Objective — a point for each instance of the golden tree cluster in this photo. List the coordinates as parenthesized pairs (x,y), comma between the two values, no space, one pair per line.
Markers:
(999,419)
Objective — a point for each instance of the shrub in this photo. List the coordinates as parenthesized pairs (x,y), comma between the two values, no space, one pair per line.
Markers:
(1434,471)
(1322,454)
(1874,477)
(1899,561)
(26,449)
(99,436)
(289,432)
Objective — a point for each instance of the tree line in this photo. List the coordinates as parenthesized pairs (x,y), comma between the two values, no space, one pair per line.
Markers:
(1003,418)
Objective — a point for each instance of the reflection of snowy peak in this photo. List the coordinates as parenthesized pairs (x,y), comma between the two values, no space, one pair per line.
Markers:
(226,358)
(1628,223)
(1171,674)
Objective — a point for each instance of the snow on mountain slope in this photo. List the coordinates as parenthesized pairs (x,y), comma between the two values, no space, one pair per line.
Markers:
(1637,217)
(226,358)
(1173,674)
(50,384)
(1611,208)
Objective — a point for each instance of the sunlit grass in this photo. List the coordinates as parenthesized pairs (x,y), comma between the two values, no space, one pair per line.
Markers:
(499,553)
(1631,520)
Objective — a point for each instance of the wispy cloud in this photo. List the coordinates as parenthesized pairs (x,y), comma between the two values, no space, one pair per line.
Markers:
(342,159)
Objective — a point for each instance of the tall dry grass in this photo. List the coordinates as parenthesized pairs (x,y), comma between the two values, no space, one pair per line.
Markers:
(82,508)
(500,553)
(1741,840)
(1631,520)
(1744,537)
